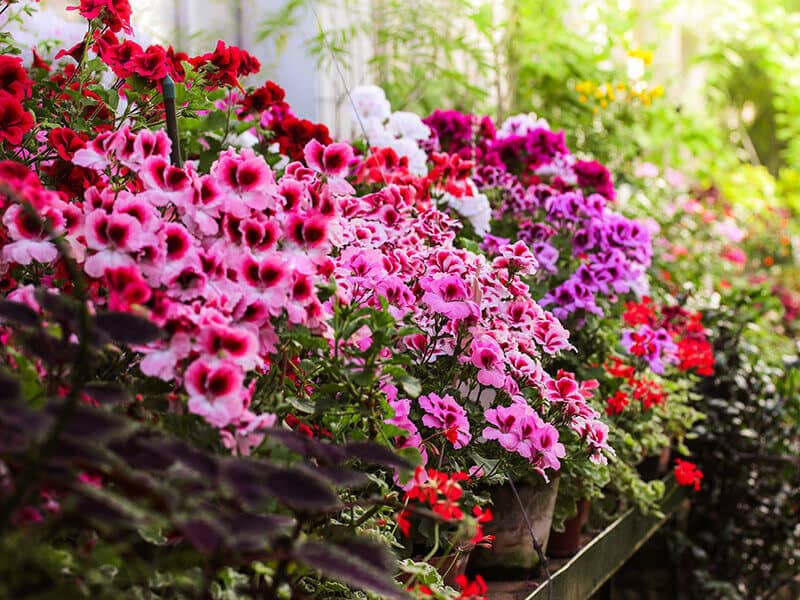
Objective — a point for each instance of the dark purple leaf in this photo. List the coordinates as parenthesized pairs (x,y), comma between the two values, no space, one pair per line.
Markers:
(247,478)
(306,446)
(9,388)
(106,393)
(204,464)
(370,552)
(103,510)
(20,417)
(13,442)
(18,313)
(342,477)
(302,490)
(203,535)
(52,350)
(375,454)
(250,532)
(62,307)
(338,564)
(125,328)
(141,453)
(88,423)
(70,451)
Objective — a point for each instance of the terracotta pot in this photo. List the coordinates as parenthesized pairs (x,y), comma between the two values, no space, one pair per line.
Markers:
(513,551)
(566,543)
(655,467)
(451,566)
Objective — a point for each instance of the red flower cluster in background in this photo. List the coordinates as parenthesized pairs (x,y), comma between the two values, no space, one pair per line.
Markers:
(304,428)
(226,65)
(114,14)
(15,86)
(687,474)
(694,351)
(648,392)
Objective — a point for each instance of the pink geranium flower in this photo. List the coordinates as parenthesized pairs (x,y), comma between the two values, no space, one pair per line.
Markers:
(333,160)
(449,296)
(215,391)
(446,414)
(488,357)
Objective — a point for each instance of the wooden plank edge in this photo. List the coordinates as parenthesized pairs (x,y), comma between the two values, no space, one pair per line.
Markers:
(647,525)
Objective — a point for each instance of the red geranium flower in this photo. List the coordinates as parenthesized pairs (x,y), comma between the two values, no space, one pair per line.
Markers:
(226,64)
(151,64)
(471,590)
(263,98)
(121,57)
(619,369)
(66,142)
(617,403)
(15,122)
(115,14)
(14,78)
(175,62)
(687,473)
(639,313)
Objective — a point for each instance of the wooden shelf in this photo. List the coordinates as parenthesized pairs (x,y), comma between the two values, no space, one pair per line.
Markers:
(602,555)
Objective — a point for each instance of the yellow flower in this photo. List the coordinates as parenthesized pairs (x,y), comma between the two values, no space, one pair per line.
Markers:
(645,55)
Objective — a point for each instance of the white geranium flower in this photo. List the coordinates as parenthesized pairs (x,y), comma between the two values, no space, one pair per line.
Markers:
(476,209)
(408,125)
(371,103)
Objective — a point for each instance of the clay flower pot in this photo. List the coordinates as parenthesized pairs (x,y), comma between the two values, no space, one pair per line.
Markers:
(655,467)
(563,544)
(452,565)
(513,551)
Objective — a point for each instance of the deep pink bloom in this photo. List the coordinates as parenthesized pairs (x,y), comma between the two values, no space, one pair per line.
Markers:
(488,357)
(215,391)
(448,296)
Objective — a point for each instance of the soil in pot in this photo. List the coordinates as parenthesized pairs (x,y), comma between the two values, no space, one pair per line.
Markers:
(563,544)
(513,553)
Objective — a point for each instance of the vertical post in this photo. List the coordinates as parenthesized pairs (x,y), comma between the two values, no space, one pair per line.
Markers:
(168,87)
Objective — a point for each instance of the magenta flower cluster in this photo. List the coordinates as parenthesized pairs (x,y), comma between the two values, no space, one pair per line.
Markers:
(560,206)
